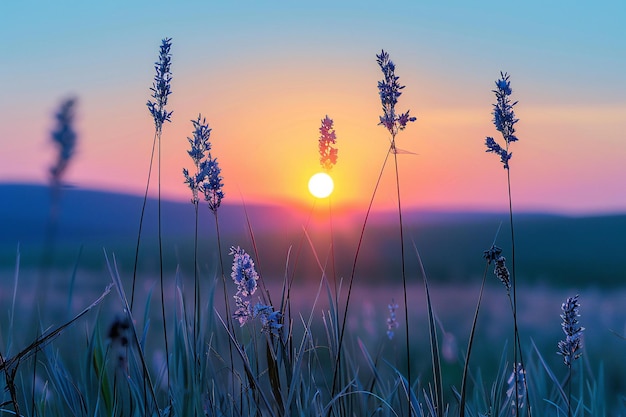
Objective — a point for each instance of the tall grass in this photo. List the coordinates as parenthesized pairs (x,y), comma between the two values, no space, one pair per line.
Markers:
(64,138)
(161,90)
(504,120)
(248,357)
(570,348)
(389,91)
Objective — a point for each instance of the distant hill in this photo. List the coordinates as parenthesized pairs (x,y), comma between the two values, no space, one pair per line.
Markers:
(557,250)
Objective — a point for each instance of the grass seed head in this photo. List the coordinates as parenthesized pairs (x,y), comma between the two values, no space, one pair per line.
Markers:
(64,138)
(502,272)
(392,323)
(570,347)
(504,119)
(161,86)
(517,384)
(389,90)
(328,153)
(245,277)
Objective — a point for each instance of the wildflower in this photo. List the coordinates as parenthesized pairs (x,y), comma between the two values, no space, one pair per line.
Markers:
(270,319)
(502,272)
(245,277)
(389,91)
(504,120)
(118,335)
(570,347)
(392,323)
(517,386)
(212,183)
(492,146)
(328,154)
(200,144)
(492,253)
(207,178)
(243,313)
(161,88)
(64,137)
(503,114)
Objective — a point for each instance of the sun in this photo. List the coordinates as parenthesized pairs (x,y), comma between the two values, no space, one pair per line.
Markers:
(321,185)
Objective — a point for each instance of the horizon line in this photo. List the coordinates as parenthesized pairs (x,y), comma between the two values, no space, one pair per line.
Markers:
(348,208)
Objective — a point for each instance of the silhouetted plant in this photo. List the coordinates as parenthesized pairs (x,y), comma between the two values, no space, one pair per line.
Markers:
(570,347)
(504,120)
(64,139)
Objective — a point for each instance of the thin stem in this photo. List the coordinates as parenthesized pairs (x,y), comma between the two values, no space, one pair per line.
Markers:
(50,236)
(229,324)
(34,378)
(9,375)
(196,287)
(143,210)
(352,274)
(167,353)
(513,280)
(219,250)
(406,308)
(255,249)
(332,252)
(470,344)
(516,343)
(569,393)
(518,347)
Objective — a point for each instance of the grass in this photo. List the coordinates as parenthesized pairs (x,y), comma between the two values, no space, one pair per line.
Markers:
(287,350)
(314,347)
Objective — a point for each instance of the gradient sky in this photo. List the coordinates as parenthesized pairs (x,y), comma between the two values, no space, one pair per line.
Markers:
(264,74)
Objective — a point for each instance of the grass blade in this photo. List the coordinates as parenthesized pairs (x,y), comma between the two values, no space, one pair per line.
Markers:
(434,344)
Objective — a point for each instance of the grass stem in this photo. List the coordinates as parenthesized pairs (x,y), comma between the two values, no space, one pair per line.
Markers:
(352,275)
(404,288)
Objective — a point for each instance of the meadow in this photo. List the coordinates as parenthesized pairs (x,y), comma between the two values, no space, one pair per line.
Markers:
(118,305)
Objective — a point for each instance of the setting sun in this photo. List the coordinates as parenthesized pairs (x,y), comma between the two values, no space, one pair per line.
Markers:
(321,185)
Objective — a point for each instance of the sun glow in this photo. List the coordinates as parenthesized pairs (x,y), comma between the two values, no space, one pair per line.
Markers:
(321,185)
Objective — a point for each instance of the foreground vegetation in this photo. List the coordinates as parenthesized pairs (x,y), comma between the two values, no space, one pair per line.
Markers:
(229,345)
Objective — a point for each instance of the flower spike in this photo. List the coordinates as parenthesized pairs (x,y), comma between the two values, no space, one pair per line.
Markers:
(328,153)
(504,119)
(389,90)
(571,346)
(161,87)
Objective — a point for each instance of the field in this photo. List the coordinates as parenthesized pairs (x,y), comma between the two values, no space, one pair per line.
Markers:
(576,264)
(125,305)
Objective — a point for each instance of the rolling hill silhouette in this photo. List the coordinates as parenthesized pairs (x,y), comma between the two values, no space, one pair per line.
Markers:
(551,249)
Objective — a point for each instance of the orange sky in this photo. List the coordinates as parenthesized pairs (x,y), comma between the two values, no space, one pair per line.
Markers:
(264,89)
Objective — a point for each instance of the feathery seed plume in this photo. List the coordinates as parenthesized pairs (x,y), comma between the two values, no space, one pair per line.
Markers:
(119,336)
(207,178)
(212,183)
(504,120)
(392,323)
(161,87)
(518,377)
(502,272)
(245,277)
(270,319)
(570,347)
(328,153)
(64,138)
(200,144)
(492,254)
(389,90)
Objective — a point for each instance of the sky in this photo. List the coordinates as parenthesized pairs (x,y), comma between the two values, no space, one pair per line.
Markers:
(264,74)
